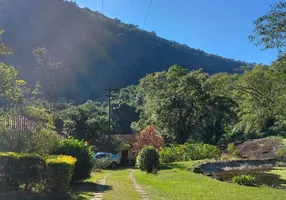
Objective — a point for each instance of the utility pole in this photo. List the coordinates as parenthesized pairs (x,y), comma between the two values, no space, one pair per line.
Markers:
(110,94)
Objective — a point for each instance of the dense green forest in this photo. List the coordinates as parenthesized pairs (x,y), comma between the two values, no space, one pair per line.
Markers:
(182,104)
(91,51)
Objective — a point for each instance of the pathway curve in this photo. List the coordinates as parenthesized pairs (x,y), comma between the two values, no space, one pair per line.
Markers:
(137,187)
(99,195)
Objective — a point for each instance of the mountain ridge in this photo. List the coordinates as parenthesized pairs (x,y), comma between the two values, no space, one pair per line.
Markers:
(99,52)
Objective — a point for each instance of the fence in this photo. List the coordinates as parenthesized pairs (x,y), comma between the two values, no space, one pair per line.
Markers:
(20,122)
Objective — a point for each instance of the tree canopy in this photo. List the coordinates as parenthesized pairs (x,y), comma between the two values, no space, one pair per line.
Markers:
(270,29)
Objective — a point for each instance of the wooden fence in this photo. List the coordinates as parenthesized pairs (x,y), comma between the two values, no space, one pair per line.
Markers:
(20,122)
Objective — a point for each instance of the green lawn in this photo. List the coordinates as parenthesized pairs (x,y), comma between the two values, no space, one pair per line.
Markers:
(178,183)
(122,188)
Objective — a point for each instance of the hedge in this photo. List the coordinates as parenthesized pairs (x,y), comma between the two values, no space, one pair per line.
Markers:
(59,173)
(82,152)
(53,174)
(18,169)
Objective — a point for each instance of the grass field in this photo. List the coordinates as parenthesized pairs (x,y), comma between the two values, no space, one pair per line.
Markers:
(178,183)
(121,186)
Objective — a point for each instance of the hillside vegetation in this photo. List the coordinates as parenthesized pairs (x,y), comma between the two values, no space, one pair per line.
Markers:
(95,52)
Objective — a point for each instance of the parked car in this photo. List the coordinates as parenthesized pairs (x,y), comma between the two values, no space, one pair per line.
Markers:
(106,159)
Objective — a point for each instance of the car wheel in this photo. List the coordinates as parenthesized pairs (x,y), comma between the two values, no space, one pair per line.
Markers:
(113,165)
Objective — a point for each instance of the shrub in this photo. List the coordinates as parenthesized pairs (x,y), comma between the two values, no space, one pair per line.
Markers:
(174,153)
(52,174)
(231,148)
(148,159)
(201,151)
(18,169)
(82,152)
(188,151)
(282,152)
(59,174)
(246,180)
(41,142)
(148,137)
(101,163)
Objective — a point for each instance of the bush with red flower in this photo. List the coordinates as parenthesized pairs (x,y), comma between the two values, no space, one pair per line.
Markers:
(148,137)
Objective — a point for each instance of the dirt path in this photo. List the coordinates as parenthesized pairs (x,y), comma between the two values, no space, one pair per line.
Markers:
(100,189)
(137,187)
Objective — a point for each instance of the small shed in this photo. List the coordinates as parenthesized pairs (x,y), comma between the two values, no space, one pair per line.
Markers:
(127,155)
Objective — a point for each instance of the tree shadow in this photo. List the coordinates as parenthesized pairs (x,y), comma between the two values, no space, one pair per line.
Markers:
(87,188)
(121,168)
(169,166)
(19,195)
(262,178)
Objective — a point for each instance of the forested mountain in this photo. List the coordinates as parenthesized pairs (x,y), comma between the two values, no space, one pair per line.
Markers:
(95,52)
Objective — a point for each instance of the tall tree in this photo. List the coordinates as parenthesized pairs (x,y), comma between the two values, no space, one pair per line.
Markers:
(49,72)
(270,29)
(181,106)
(11,88)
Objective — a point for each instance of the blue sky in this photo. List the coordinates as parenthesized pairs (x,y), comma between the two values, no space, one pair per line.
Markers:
(216,26)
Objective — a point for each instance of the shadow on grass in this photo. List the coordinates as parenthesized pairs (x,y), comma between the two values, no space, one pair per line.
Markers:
(169,166)
(85,190)
(17,195)
(261,177)
(121,168)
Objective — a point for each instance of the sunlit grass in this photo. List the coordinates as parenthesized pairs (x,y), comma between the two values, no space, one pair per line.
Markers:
(179,183)
(281,171)
(122,188)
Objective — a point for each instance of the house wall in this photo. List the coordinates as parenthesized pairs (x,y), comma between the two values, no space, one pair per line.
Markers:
(130,153)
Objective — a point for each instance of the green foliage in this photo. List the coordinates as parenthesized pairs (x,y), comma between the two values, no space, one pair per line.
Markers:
(40,142)
(82,152)
(282,152)
(49,73)
(182,106)
(246,180)
(231,148)
(200,151)
(148,160)
(52,174)
(101,163)
(89,122)
(174,153)
(270,29)
(188,151)
(37,114)
(59,174)
(18,169)
(11,88)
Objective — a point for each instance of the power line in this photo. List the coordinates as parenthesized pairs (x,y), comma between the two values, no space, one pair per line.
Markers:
(102,7)
(147,13)
(127,72)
